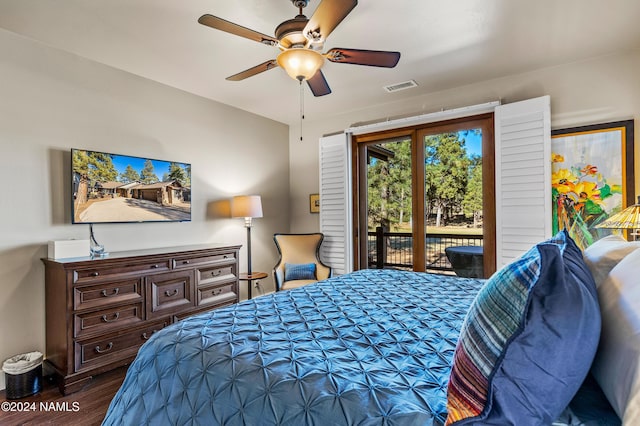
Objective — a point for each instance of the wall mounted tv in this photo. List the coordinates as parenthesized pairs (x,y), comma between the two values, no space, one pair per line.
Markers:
(114,188)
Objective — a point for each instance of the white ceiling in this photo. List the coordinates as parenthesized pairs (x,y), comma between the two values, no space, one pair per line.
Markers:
(444,44)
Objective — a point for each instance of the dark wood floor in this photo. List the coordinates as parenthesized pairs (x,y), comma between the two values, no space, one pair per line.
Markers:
(83,408)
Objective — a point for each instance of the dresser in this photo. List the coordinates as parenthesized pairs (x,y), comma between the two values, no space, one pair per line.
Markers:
(100,311)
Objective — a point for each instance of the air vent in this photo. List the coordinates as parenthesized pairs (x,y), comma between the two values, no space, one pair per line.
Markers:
(400,86)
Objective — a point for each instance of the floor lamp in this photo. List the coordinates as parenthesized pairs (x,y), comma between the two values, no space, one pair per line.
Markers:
(248,207)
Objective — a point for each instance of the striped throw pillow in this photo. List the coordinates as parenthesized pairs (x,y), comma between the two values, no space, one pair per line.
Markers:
(528,340)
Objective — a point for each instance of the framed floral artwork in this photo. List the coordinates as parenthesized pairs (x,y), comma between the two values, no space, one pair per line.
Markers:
(592,177)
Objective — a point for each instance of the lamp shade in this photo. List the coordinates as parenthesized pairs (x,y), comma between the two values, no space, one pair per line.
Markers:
(627,219)
(300,63)
(246,206)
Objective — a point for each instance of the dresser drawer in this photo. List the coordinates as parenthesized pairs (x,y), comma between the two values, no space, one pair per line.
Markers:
(215,295)
(91,353)
(87,297)
(90,275)
(169,293)
(215,274)
(107,320)
(190,262)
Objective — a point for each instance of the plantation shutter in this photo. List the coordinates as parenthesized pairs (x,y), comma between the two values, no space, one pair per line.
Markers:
(523,177)
(335,203)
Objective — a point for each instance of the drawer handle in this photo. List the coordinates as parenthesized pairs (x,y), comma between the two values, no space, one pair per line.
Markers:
(170,294)
(107,349)
(94,274)
(225,256)
(216,273)
(146,336)
(115,317)
(156,266)
(217,291)
(186,262)
(115,291)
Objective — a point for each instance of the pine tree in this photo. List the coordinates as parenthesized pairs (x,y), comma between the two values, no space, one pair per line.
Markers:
(147,174)
(177,173)
(472,203)
(80,162)
(446,165)
(101,168)
(389,187)
(91,168)
(129,175)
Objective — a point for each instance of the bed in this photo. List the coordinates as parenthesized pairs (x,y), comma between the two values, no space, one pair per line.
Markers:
(361,348)
(371,347)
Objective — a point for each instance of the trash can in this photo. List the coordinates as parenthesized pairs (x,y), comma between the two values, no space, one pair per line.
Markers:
(23,375)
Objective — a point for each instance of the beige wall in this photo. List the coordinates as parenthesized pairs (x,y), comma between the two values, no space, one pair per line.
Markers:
(595,91)
(51,101)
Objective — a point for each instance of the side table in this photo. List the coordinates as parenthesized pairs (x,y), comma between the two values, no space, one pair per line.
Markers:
(249,278)
(467,261)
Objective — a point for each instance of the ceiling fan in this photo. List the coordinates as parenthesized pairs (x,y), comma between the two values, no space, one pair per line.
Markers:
(301,40)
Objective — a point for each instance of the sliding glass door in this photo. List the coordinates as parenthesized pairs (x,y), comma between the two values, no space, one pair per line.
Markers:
(453,198)
(422,192)
(389,196)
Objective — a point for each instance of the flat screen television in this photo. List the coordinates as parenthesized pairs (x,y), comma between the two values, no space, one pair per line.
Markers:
(115,188)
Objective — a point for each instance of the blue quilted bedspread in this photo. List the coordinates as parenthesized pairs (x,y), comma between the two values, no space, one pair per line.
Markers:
(368,348)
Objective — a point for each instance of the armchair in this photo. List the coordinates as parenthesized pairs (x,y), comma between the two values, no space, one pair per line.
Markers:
(299,262)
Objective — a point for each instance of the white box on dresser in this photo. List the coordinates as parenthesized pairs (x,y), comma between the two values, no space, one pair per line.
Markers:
(64,249)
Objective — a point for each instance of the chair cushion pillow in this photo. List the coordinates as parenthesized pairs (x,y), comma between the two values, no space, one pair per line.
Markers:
(299,271)
(616,367)
(528,340)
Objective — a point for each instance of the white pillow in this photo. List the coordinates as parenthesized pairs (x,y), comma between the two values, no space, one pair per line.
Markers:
(617,363)
(603,255)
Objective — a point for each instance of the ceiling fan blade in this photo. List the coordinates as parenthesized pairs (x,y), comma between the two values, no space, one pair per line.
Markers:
(265,66)
(231,28)
(326,17)
(373,58)
(318,84)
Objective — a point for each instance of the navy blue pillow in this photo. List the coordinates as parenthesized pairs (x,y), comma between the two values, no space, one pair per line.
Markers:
(299,271)
(528,340)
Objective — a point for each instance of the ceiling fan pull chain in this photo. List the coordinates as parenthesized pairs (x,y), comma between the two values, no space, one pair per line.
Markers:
(301,108)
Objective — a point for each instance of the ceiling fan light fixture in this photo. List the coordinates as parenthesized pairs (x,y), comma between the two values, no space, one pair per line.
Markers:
(301,42)
(300,63)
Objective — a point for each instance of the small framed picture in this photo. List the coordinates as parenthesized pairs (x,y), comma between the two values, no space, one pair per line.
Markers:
(314,203)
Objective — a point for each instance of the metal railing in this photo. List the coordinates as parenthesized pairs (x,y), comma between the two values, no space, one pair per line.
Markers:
(395,249)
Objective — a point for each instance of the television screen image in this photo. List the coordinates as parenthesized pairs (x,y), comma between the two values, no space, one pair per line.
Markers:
(113,188)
